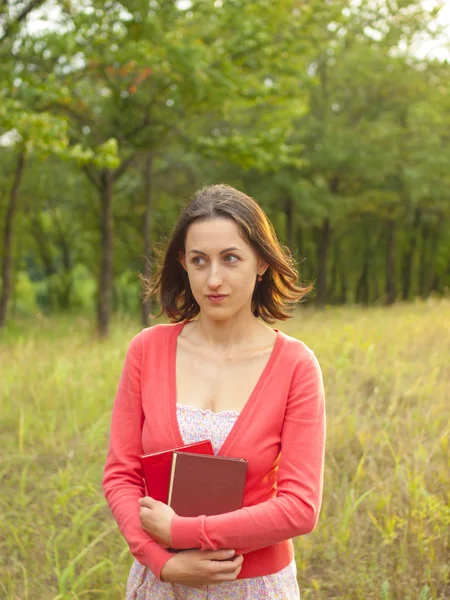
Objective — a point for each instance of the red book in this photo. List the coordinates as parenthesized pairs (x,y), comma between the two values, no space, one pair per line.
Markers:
(206,485)
(157,466)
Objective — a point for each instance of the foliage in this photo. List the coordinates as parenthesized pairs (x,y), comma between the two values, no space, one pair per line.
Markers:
(322,111)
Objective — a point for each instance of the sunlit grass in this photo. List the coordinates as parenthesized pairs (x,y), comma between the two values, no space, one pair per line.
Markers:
(385,522)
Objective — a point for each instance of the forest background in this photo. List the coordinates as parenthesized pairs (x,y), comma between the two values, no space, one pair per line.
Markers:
(113,114)
(335,116)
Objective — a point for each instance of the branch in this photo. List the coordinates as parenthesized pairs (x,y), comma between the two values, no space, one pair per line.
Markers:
(20,17)
(146,121)
(94,179)
(175,129)
(124,166)
(68,110)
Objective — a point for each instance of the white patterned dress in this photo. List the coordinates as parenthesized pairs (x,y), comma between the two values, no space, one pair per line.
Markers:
(195,425)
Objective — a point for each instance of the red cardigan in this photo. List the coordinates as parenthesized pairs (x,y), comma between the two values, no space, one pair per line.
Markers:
(280,431)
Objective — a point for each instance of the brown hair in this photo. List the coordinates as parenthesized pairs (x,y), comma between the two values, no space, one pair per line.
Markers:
(279,288)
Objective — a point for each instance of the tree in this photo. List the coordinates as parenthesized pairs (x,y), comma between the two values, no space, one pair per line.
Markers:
(13,14)
(167,67)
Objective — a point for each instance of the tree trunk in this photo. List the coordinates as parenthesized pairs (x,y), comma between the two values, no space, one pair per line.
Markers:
(147,304)
(323,243)
(290,222)
(362,287)
(425,235)
(408,257)
(65,292)
(332,291)
(430,276)
(305,256)
(42,241)
(300,257)
(435,284)
(390,287)
(344,284)
(7,239)
(362,292)
(106,269)
(376,288)
(300,243)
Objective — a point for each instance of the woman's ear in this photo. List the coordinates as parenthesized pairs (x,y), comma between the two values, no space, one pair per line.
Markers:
(262,266)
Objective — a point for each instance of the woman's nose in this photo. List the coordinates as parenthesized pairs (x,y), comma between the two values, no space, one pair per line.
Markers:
(215,277)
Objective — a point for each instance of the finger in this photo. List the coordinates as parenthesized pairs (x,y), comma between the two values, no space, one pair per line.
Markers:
(233,568)
(232,563)
(147,502)
(224,566)
(146,515)
(218,554)
(235,573)
(236,559)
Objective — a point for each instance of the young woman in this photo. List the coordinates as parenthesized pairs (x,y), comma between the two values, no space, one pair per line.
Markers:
(218,371)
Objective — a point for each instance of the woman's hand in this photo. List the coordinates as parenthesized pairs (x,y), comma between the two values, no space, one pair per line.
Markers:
(156,518)
(197,568)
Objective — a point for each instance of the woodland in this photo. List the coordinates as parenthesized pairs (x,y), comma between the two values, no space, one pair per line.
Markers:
(112,114)
(335,116)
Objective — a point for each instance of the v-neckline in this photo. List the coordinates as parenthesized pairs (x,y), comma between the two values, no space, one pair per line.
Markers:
(172,391)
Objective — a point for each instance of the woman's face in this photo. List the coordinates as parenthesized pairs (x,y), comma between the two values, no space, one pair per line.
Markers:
(222,267)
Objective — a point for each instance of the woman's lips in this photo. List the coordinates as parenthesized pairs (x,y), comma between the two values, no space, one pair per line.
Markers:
(216,298)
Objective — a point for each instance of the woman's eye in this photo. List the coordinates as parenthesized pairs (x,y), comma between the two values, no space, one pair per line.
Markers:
(199,260)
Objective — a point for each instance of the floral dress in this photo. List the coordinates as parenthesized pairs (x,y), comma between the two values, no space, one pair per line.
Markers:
(197,424)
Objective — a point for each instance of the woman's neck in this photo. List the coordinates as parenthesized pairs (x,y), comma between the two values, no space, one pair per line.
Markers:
(230,335)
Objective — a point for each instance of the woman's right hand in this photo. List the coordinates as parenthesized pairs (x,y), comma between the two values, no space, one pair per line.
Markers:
(197,568)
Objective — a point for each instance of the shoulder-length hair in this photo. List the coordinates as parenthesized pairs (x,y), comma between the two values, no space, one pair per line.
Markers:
(273,297)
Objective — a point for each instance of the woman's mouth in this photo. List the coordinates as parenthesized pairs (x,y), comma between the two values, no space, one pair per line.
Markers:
(216,298)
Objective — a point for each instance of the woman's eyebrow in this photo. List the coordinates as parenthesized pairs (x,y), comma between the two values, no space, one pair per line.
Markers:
(221,252)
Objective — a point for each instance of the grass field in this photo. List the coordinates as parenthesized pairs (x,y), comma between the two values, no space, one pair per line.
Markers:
(385,521)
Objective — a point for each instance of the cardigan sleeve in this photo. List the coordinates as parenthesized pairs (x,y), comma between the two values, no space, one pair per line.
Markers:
(123,482)
(295,509)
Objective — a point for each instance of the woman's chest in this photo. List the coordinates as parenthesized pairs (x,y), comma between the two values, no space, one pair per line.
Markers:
(257,388)
(196,424)
(215,385)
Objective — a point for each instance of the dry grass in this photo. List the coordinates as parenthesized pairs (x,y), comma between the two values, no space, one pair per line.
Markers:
(385,522)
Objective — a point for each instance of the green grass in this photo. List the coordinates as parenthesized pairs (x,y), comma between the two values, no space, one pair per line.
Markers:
(385,521)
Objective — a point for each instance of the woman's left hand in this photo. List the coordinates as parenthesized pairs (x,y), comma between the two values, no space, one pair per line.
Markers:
(156,518)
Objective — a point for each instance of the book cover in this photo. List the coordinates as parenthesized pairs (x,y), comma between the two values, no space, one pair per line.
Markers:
(206,485)
(157,466)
